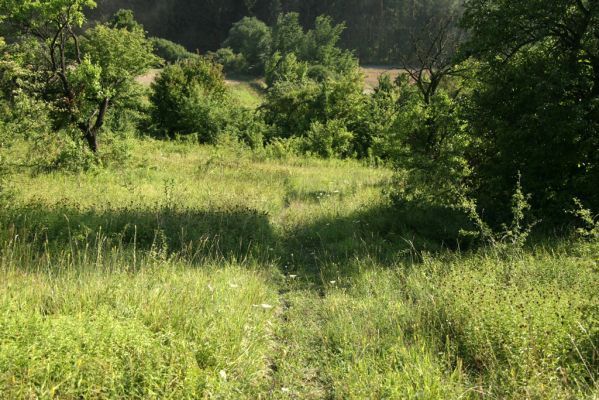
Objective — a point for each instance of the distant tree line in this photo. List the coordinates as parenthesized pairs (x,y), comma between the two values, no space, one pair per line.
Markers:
(378,30)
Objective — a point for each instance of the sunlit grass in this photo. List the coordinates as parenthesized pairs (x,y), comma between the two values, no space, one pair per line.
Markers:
(205,272)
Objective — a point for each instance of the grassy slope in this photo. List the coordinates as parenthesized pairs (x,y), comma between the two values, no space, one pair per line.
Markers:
(203,272)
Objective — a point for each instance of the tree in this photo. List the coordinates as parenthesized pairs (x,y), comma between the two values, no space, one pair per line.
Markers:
(288,34)
(118,56)
(251,38)
(431,58)
(191,97)
(83,76)
(125,19)
(428,138)
(536,110)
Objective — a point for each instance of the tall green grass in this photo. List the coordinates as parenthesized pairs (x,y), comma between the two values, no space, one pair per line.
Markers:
(203,272)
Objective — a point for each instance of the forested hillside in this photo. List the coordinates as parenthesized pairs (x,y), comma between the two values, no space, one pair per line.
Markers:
(377,29)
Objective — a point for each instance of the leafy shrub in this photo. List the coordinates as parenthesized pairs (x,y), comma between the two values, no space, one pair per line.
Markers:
(316,49)
(430,141)
(589,221)
(63,151)
(250,38)
(294,103)
(331,139)
(232,62)
(509,237)
(320,46)
(117,149)
(377,116)
(206,116)
(125,19)
(291,107)
(169,51)
(283,148)
(288,35)
(285,68)
(250,128)
(191,97)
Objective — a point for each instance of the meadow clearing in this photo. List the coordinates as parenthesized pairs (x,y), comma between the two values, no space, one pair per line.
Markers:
(217,272)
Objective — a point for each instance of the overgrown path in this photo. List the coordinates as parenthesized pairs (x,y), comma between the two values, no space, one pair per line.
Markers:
(203,272)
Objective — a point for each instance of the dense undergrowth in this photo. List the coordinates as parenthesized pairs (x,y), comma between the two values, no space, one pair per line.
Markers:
(217,272)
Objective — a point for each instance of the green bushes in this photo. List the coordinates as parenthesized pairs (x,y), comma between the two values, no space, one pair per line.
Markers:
(429,140)
(536,107)
(329,140)
(169,51)
(190,97)
(307,99)
(232,62)
(251,39)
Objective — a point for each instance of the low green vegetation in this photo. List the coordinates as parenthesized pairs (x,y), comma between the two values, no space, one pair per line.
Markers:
(211,272)
(168,233)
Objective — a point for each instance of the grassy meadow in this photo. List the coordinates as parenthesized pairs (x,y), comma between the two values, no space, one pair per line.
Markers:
(212,272)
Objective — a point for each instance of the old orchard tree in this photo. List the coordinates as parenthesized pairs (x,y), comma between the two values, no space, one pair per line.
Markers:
(82,73)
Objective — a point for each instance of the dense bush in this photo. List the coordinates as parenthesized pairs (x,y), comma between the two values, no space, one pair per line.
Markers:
(536,109)
(288,35)
(169,51)
(298,106)
(318,47)
(430,141)
(251,38)
(232,62)
(261,47)
(331,139)
(191,97)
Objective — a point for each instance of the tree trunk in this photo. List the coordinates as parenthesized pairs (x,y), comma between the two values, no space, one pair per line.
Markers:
(91,132)
(91,135)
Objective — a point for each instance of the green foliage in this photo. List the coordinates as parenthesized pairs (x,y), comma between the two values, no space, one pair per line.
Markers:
(285,68)
(317,47)
(329,140)
(250,128)
(37,14)
(288,35)
(252,39)
(121,56)
(169,51)
(190,97)
(315,90)
(512,237)
(321,47)
(61,151)
(232,62)
(590,222)
(295,102)
(430,141)
(535,109)
(125,19)
(81,78)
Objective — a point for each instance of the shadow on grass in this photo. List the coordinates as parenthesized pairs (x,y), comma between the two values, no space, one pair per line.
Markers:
(380,236)
(235,234)
(329,247)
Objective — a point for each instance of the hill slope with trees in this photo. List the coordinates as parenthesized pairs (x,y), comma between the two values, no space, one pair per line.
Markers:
(377,29)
